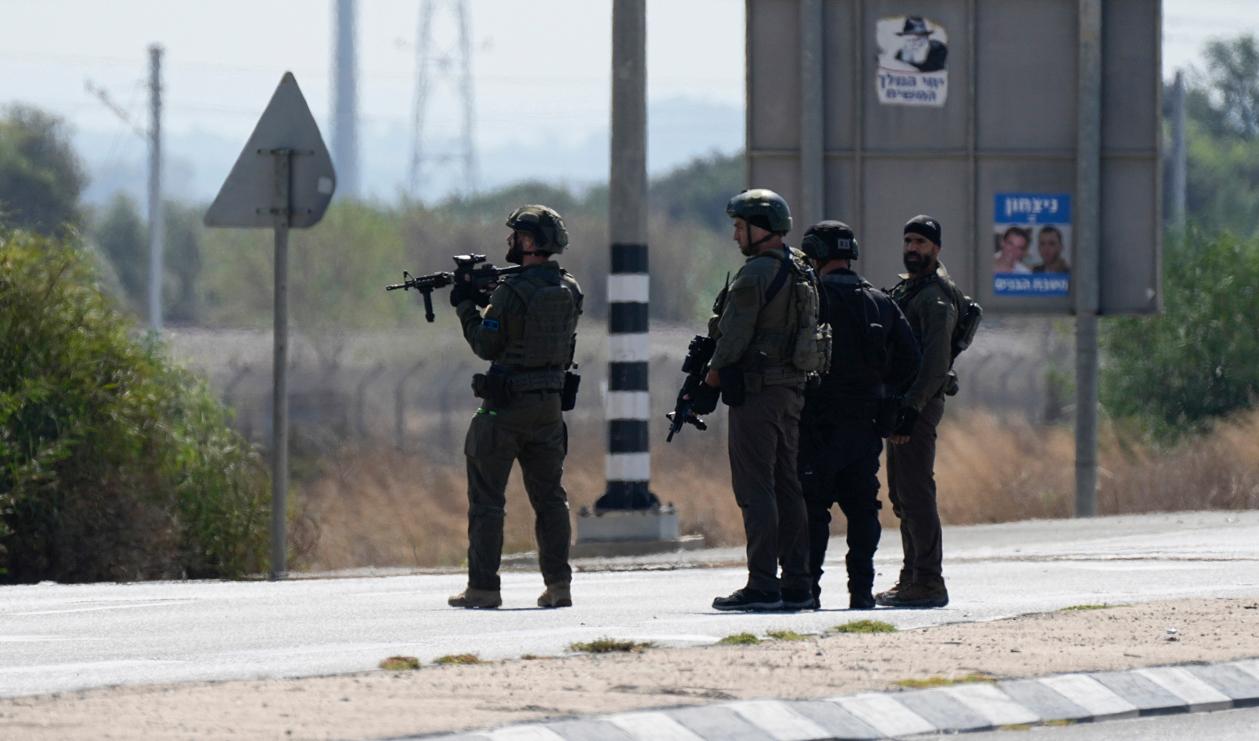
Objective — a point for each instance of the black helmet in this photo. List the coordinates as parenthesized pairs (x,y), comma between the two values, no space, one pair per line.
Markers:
(544,223)
(761,207)
(830,240)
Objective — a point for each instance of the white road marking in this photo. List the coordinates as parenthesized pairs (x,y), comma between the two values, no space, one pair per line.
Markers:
(782,723)
(652,726)
(99,608)
(992,704)
(1199,695)
(525,733)
(1091,695)
(885,715)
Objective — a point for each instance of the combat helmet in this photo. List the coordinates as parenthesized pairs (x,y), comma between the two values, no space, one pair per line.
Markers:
(761,207)
(830,240)
(544,223)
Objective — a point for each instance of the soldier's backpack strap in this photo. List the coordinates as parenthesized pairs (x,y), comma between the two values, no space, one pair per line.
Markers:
(780,278)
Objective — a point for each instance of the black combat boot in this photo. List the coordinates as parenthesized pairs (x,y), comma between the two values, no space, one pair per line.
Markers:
(749,600)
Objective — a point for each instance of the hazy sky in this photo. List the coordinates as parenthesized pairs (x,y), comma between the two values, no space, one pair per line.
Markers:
(541,67)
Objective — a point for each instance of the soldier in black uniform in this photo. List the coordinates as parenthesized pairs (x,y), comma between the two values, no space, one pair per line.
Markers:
(528,330)
(874,360)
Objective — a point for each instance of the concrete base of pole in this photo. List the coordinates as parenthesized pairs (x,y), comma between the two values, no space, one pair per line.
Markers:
(630,533)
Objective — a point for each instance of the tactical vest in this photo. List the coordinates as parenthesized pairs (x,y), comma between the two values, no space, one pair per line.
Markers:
(807,341)
(538,357)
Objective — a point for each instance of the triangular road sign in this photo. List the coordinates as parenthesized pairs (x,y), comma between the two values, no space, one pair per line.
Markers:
(248,194)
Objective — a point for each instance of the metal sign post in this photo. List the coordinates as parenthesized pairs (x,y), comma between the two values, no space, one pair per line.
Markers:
(283,179)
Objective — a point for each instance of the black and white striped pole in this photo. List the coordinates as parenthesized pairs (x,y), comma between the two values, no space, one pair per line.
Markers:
(628,511)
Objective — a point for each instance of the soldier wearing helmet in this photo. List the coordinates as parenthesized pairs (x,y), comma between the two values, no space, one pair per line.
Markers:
(874,359)
(754,322)
(528,332)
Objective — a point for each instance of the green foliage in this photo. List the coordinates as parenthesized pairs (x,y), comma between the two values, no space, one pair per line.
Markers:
(1227,93)
(41,177)
(787,635)
(697,192)
(1084,608)
(183,263)
(1222,112)
(864,626)
(1199,359)
(121,235)
(740,639)
(113,463)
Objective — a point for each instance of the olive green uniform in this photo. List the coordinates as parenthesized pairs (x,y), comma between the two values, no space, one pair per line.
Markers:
(754,336)
(930,303)
(528,333)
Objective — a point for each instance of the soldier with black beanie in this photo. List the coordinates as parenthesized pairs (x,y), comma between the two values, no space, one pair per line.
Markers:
(932,304)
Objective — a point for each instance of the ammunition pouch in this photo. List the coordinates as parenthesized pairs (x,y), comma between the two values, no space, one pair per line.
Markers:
(568,397)
(494,388)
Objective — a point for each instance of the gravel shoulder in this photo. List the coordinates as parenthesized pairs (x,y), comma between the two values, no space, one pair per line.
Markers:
(437,699)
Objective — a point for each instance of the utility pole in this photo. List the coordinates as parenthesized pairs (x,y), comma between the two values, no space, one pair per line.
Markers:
(345,98)
(1179,155)
(1087,273)
(157,225)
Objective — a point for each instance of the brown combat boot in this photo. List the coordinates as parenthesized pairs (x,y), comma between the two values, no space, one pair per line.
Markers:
(556,595)
(885,598)
(473,598)
(917,596)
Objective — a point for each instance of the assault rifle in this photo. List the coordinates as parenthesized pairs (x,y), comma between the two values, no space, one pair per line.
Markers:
(470,269)
(695,366)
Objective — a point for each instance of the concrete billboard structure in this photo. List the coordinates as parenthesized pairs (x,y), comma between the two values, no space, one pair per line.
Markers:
(872,111)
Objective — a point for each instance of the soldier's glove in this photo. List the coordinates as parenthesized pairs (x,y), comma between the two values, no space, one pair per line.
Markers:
(704,399)
(905,420)
(462,291)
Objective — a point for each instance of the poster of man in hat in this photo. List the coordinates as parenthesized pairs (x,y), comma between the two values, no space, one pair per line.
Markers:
(913,57)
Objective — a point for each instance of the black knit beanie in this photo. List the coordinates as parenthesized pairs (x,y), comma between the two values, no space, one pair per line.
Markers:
(925,226)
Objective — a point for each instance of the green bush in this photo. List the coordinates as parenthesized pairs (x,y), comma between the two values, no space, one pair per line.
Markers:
(114,464)
(1198,360)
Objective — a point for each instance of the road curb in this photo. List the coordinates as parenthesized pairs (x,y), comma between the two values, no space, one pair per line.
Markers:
(981,706)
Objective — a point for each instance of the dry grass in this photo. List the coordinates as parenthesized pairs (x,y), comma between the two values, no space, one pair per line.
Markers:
(610,646)
(400,664)
(381,507)
(458,660)
(929,682)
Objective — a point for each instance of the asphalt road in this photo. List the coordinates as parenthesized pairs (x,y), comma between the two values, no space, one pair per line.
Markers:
(64,637)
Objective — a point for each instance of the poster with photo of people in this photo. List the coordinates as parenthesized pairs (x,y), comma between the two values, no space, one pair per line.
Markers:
(1031,244)
(913,61)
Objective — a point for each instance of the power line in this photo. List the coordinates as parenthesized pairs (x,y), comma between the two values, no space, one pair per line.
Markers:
(454,68)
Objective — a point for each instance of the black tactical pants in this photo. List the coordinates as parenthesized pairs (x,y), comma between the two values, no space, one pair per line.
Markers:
(764,441)
(839,464)
(532,431)
(911,488)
